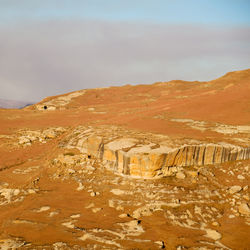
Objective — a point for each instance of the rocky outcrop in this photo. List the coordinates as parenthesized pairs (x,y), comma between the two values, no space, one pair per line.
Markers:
(153,163)
(130,157)
(27,137)
(58,102)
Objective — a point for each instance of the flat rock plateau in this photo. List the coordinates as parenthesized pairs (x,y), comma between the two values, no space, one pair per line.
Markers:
(133,167)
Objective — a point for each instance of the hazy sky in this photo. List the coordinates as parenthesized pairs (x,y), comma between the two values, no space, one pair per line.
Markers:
(49,47)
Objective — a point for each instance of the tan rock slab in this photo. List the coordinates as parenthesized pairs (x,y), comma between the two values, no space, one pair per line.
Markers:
(244,209)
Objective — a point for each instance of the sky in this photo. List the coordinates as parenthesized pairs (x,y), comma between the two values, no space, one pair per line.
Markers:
(50,47)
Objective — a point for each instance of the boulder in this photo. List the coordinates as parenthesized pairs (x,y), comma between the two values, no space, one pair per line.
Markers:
(244,209)
(235,189)
(180,175)
(213,234)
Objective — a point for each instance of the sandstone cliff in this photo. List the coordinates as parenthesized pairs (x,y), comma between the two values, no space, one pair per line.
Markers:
(149,159)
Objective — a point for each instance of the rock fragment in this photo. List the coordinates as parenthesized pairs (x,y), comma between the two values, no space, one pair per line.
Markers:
(241,177)
(80,187)
(235,189)
(215,223)
(244,209)
(213,234)
(180,175)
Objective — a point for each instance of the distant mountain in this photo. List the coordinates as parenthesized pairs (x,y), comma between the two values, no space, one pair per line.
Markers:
(10,104)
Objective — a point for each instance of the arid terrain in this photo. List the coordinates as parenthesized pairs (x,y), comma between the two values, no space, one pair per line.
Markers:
(134,167)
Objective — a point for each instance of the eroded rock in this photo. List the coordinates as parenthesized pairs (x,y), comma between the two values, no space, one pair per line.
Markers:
(244,209)
(130,156)
(235,189)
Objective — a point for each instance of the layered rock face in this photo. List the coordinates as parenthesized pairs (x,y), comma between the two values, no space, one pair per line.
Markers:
(131,156)
(58,102)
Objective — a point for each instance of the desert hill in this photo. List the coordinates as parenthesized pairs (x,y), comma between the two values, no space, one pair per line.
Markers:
(211,101)
(133,167)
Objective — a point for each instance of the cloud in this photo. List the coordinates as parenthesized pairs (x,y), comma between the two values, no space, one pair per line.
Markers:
(43,58)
